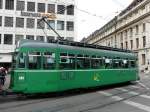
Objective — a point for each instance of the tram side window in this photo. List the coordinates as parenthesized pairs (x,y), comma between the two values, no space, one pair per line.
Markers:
(95,62)
(117,63)
(21,61)
(49,60)
(108,63)
(67,61)
(125,63)
(83,62)
(34,59)
(132,63)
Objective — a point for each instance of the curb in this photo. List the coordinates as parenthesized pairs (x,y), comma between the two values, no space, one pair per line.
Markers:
(4,93)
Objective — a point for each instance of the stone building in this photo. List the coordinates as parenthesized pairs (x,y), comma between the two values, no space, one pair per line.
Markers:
(128,30)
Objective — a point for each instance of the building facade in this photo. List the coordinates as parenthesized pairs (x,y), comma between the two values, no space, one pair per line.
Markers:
(128,30)
(19,19)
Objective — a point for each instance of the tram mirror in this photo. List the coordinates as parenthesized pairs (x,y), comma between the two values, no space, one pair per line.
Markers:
(125,61)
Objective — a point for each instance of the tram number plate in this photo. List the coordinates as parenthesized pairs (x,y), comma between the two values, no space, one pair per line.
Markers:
(66,75)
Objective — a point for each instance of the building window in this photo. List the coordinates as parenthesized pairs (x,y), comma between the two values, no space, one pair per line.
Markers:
(18,37)
(137,29)
(143,59)
(0,38)
(50,39)
(41,7)
(70,10)
(60,9)
(131,42)
(137,42)
(20,22)
(31,6)
(126,45)
(30,37)
(131,32)
(144,41)
(121,45)
(8,21)
(9,4)
(40,38)
(8,39)
(1,4)
(20,5)
(51,8)
(69,38)
(40,24)
(30,23)
(0,20)
(70,25)
(51,23)
(121,36)
(60,25)
(144,27)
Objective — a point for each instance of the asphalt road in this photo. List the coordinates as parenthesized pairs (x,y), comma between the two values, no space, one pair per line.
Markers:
(121,98)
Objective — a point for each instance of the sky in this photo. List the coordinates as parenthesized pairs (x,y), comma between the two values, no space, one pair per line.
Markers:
(95,14)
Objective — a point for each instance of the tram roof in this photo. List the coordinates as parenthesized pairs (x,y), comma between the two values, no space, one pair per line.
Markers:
(30,45)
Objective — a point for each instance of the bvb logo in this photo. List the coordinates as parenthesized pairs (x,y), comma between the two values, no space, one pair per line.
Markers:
(96,77)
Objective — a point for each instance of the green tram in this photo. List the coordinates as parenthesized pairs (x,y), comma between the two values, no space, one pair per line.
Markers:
(40,67)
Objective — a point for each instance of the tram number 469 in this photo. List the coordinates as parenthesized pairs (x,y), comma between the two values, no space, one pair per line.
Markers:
(67,76)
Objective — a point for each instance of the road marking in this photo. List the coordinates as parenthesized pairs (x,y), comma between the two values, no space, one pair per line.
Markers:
(137,87)
(131,103)
(133,93)
(143,85)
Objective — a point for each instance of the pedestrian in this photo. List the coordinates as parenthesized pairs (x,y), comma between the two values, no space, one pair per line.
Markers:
(3,76)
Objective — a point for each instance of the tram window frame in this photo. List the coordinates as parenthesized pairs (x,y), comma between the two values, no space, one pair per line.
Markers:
(22,57)
(132,65)
(35,63)
(95,59)
(117,63)
(67,61)
(108,65)
(83,62)
(125,65)
(49,60)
